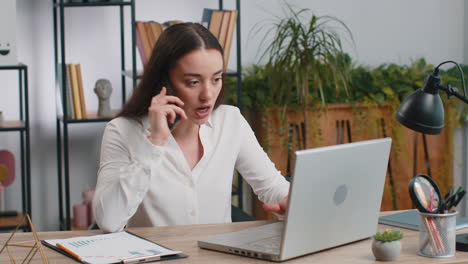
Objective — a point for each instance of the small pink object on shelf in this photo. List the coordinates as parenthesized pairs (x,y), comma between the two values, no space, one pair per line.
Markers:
(80,214)
(88,196)
(7,159)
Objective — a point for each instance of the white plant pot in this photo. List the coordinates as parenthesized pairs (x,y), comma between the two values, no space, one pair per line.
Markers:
(386,251)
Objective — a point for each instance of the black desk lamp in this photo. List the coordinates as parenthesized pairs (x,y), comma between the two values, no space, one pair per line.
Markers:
(423,111)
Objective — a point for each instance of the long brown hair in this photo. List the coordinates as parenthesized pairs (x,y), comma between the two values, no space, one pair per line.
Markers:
(175,42)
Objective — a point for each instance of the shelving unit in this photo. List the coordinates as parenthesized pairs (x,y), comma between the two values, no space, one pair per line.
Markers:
(238,191)
(21,126)
(62,121)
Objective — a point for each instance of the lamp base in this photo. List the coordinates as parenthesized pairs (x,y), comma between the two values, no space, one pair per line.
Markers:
(462,242)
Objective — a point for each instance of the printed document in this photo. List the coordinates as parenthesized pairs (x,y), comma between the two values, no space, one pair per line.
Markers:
(121,247)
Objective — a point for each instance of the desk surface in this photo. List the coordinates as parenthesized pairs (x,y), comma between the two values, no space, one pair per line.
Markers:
(184,238)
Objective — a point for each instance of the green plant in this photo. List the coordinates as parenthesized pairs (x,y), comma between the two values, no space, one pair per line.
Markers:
(301,50)
(303,55)
(388,235)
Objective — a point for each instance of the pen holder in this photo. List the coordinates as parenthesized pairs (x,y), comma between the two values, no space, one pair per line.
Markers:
(437,235)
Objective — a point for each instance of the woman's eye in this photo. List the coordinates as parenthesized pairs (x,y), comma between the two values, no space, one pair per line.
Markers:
(192,83)
(218,79)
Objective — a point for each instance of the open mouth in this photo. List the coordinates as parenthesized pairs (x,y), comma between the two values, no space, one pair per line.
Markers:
(203,109)
(203,112)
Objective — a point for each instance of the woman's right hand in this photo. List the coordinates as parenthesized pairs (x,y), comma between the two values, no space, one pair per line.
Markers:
(163,109)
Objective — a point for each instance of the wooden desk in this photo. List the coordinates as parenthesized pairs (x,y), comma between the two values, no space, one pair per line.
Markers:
(185,238)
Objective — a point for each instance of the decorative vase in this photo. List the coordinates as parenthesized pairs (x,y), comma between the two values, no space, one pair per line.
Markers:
(386,250)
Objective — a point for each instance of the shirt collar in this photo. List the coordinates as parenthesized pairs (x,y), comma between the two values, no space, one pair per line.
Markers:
(146,124)
(209,122)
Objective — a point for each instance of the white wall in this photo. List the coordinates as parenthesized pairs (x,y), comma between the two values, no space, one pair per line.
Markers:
(384,31)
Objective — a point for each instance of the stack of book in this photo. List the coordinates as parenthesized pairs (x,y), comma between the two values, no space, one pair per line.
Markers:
(147,34)
(75,101)
(222,24)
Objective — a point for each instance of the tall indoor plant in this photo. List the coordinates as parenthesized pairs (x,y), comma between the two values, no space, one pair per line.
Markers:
(303,55)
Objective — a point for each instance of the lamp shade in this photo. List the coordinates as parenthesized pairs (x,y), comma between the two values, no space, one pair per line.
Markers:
(422,111)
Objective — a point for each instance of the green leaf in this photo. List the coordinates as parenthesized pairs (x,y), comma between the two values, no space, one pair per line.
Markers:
(388,235)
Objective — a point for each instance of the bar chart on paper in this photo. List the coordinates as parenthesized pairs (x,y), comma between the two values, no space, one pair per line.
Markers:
(110,248)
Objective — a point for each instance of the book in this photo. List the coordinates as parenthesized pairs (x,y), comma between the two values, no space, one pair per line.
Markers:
(224,28)
(139,44)
(120,247)
(84,114)
(143,42)
(215,22)
(150,35)
(410,220)
(69,92)
(229,35)
(157,30)
(75,91)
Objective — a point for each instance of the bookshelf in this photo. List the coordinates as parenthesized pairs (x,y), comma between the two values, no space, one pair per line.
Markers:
(237,191)
(63,121)
(22,127)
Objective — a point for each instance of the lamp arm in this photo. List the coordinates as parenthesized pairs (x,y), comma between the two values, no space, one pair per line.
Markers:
(453,91)
(436,71)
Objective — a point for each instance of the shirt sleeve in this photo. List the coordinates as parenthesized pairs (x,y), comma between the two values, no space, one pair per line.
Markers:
(257,169)
(123,179)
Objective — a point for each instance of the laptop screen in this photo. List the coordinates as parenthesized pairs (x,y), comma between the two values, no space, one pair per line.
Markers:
(335,196)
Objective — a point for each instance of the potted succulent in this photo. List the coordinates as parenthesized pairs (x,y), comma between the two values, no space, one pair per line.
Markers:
(386,245)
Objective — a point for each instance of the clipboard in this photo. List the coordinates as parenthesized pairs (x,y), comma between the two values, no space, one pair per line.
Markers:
(121,247)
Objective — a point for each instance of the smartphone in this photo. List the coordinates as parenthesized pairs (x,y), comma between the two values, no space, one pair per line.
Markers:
(171,91)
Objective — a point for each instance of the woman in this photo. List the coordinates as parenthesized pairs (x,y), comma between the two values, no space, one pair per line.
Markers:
(151,175)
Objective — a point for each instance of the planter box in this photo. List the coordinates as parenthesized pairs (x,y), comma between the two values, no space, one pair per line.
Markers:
(281,134)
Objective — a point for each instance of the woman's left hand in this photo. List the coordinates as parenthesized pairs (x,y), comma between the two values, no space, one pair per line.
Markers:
(279,208)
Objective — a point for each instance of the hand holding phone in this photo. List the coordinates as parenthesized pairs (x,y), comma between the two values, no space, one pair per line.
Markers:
(171,91)
(163,111)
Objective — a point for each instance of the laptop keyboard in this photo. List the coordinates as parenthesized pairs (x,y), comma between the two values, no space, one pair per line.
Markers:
(269,245)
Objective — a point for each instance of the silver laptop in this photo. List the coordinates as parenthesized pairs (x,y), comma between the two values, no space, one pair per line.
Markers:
(335,198)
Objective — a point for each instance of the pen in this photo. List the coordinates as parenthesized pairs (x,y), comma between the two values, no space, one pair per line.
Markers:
(68,251)
(449,193)
(141,259)
(457,200)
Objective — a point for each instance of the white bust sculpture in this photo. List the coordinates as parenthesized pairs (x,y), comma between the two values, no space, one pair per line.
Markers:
(103,90)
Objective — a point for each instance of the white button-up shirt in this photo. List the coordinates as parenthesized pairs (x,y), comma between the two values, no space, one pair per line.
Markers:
(140,184)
